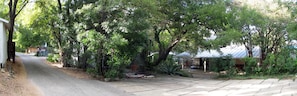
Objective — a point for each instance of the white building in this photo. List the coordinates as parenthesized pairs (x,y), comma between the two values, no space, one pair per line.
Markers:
(238,53)
(3,41)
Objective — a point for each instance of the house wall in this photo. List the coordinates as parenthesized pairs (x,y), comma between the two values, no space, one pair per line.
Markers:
(239,62)
(3,44)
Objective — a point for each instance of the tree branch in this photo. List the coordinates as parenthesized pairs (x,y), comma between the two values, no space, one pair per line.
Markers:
(10,7)
(60,6)
(24,4)
(174,43)
(157,33)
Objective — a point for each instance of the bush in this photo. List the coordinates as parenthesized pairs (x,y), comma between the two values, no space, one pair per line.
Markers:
(250,66)
(214,64)
(19,49)
(281,63)
(53,58)
(112,73)
(92,71)
(116,66)
(169,67)
(224,64)
(275,64)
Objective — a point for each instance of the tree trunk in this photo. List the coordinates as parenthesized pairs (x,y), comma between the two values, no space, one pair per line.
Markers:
(249,45)
(12,10)
(100,62)
(59,38)
(262,56)
(65,57)
(262,48)
(61,53)
(143,56)
(12,15)
(250,51)
(163,54)
(83,58)
(163,51)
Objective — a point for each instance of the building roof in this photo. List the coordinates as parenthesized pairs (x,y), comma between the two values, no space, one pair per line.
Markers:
(6,23)
(154,53)
(184,55)
(236,51)
(3,20)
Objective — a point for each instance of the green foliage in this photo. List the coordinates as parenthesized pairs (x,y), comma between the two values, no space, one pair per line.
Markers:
(270,65)
(185,25)
(246,16)
(274,64)
(112,73)
(111,33)
(169,67)
(292,30)
(53,58)
(4,9)
(26,37)
(281,63)
(225,63)
(93,39)
(92,71)
(116,66)
(250,66)
(118,35)
(119,60)
(226,37)
(113,46)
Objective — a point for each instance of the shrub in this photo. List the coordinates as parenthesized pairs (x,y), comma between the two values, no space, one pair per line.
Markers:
(275,64)
(112,73)
(116,66)
(232,70)
(53,58)
(92,71)
(281,63)
(50,57)
(169,67)
(224,64)
(250,66)
(213,64)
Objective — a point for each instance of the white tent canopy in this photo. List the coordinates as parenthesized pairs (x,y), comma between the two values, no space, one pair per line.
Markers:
(154,53)
(236,51)
(184,55)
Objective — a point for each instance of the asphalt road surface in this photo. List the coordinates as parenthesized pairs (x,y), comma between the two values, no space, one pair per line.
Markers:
(53,82)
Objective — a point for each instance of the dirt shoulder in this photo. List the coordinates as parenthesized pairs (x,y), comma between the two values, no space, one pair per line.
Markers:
(17,84)
(74,72)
